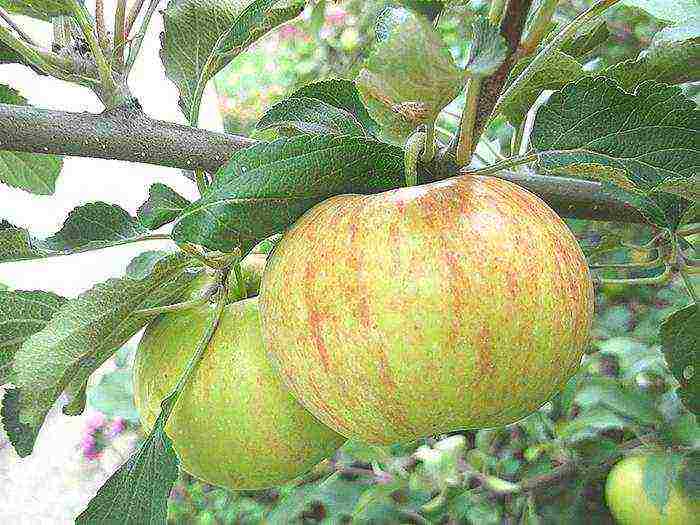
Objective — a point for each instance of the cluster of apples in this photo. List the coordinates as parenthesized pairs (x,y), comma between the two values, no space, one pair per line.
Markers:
(465,303)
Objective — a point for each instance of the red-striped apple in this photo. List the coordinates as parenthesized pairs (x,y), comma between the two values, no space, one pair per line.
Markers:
(464,303)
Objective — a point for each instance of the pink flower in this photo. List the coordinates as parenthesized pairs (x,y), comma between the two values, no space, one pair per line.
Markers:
(96,421)
(337,18)
(116,427)
(289,31)
(88,446)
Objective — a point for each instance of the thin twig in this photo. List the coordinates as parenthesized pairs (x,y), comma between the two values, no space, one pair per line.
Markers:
(539,27)
(119,33)
(512,27)
(137,41)
(100,25)
(654,263)
(134,13)
(17,29)
(566,33)
(46,61)
(663,278)
(103,68)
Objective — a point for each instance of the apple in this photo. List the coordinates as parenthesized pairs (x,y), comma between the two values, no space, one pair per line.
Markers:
(630,505)
(465,303)
(252,267)
(235,424)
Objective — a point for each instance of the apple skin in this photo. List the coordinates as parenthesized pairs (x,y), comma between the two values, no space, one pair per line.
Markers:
(465,303)
(235,424)
(629,504)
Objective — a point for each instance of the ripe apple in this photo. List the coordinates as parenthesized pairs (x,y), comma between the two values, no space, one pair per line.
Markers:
(464,303)
(235,424)
(629,504)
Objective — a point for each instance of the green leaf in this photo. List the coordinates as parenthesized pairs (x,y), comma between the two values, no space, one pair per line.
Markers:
(254,21)
(268,186)
(143,264)
(687,188)
(89,227)
(342,94)
(488,48)
(680,339)
(409,77)
(22,314)
(164,205)
(558,70)
(672,63)
(32,172)
(675,11)
(185,58)
(632,142)
(137,493)
(41,9)
(687,30)
(590,423)
(310,115)
(80,337)
(631,404)
(659,474)
(587,42)
(224,30)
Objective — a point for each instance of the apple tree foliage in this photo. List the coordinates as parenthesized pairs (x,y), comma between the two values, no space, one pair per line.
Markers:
(632,127)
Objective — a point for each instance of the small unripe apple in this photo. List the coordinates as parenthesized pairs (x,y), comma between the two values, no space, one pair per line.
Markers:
(465,303)
(235,424)
(629,504)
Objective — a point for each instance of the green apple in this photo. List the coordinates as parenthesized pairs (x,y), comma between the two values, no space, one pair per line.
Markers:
(629,504)
(235,424)
(465,303)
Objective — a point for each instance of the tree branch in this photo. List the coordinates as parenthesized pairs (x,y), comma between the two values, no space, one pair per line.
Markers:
(512,26)
(121,134)
(128,134)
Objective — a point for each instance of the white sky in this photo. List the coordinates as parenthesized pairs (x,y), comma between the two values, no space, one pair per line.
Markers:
(87,180)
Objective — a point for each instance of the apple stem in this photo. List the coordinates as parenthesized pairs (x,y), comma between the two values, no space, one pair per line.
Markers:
(429,146)
(412,150)
(241,292)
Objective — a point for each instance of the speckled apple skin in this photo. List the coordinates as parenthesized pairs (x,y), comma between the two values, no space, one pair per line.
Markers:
(235,424)
(465,303)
